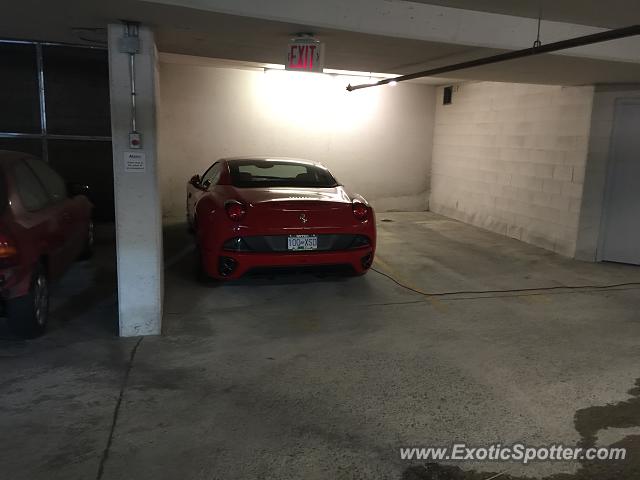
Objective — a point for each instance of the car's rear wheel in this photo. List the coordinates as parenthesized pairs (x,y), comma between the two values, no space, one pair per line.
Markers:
(352,272)
(28,315)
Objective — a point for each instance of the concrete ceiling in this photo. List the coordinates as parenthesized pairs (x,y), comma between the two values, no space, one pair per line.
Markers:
(216,35)
(609,14)
(241,38)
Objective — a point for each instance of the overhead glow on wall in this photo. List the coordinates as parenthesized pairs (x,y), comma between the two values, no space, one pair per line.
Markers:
(318,100)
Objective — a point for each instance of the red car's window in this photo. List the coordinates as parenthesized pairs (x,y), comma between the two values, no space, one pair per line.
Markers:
(212,175)
(279,173)
(31,192)
(53,183)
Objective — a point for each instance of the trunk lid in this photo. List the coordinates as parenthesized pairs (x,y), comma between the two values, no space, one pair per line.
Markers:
(255,196)
(315,209)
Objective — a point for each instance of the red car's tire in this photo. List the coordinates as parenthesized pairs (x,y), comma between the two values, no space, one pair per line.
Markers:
(28,315)
(355,273)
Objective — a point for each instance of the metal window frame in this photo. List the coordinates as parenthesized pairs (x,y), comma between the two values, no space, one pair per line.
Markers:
(44,134)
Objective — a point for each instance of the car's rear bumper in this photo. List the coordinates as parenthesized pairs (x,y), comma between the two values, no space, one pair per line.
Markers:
(228,265)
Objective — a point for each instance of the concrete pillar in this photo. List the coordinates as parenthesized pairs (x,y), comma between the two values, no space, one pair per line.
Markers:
(137,196)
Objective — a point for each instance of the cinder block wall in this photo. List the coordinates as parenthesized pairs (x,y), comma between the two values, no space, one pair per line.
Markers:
(511,158)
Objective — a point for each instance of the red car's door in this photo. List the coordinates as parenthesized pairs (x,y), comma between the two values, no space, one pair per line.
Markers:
(71,224)
(38,219)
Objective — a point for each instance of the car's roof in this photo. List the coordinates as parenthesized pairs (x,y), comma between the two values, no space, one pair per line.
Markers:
(285,159)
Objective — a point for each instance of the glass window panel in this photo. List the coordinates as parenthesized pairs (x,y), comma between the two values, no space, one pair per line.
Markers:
(32,146)
(19,96)
(88,163)
(77,91)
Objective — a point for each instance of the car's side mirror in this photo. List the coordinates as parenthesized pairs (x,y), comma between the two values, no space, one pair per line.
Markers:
(195,180)
(76,189)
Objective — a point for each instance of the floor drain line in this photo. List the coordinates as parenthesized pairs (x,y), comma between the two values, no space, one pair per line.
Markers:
(495,476)
(116,410)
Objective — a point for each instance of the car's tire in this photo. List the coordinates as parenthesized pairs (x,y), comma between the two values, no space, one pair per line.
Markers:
(352,272)
(28,315)
(87,251)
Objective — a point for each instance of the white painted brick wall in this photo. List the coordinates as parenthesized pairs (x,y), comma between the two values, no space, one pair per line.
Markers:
(511,158)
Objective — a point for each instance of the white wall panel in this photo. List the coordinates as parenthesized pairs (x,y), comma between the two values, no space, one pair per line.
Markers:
(376,141)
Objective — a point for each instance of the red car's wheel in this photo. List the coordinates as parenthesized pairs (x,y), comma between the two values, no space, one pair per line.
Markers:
(28,315)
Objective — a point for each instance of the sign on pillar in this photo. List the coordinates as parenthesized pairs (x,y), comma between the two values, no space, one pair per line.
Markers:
(305,54)
(134,162)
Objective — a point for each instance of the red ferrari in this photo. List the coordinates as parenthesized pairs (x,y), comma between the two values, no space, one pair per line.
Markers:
(249,213)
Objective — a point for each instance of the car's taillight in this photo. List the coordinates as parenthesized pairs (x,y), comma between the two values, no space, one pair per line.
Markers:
(8,250)
(235,210)
(360,211)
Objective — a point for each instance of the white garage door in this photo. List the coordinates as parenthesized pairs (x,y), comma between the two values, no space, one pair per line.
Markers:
(621,241)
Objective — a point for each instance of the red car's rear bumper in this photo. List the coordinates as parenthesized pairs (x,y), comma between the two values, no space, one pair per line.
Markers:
(239,263)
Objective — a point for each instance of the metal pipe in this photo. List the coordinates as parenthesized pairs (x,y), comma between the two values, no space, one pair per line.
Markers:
(132,71)
(527,52)
(50,44)
(42,102)
(48,136)
(132,31)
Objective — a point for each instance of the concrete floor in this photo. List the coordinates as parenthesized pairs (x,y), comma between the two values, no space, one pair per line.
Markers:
(296,376)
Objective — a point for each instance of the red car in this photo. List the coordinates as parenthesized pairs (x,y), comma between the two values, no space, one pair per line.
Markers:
(273,212)
(42,231)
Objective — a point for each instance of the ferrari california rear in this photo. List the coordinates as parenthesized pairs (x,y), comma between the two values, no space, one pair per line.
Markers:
(250,213)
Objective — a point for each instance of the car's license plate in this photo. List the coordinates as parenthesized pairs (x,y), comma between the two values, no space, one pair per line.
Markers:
(302,242)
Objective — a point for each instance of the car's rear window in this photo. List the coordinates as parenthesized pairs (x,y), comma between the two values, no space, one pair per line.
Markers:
(279,173)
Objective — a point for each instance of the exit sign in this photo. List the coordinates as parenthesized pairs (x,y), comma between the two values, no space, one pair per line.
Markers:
(305,55)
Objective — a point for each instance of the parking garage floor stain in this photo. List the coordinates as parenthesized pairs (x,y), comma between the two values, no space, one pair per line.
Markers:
(588,422)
